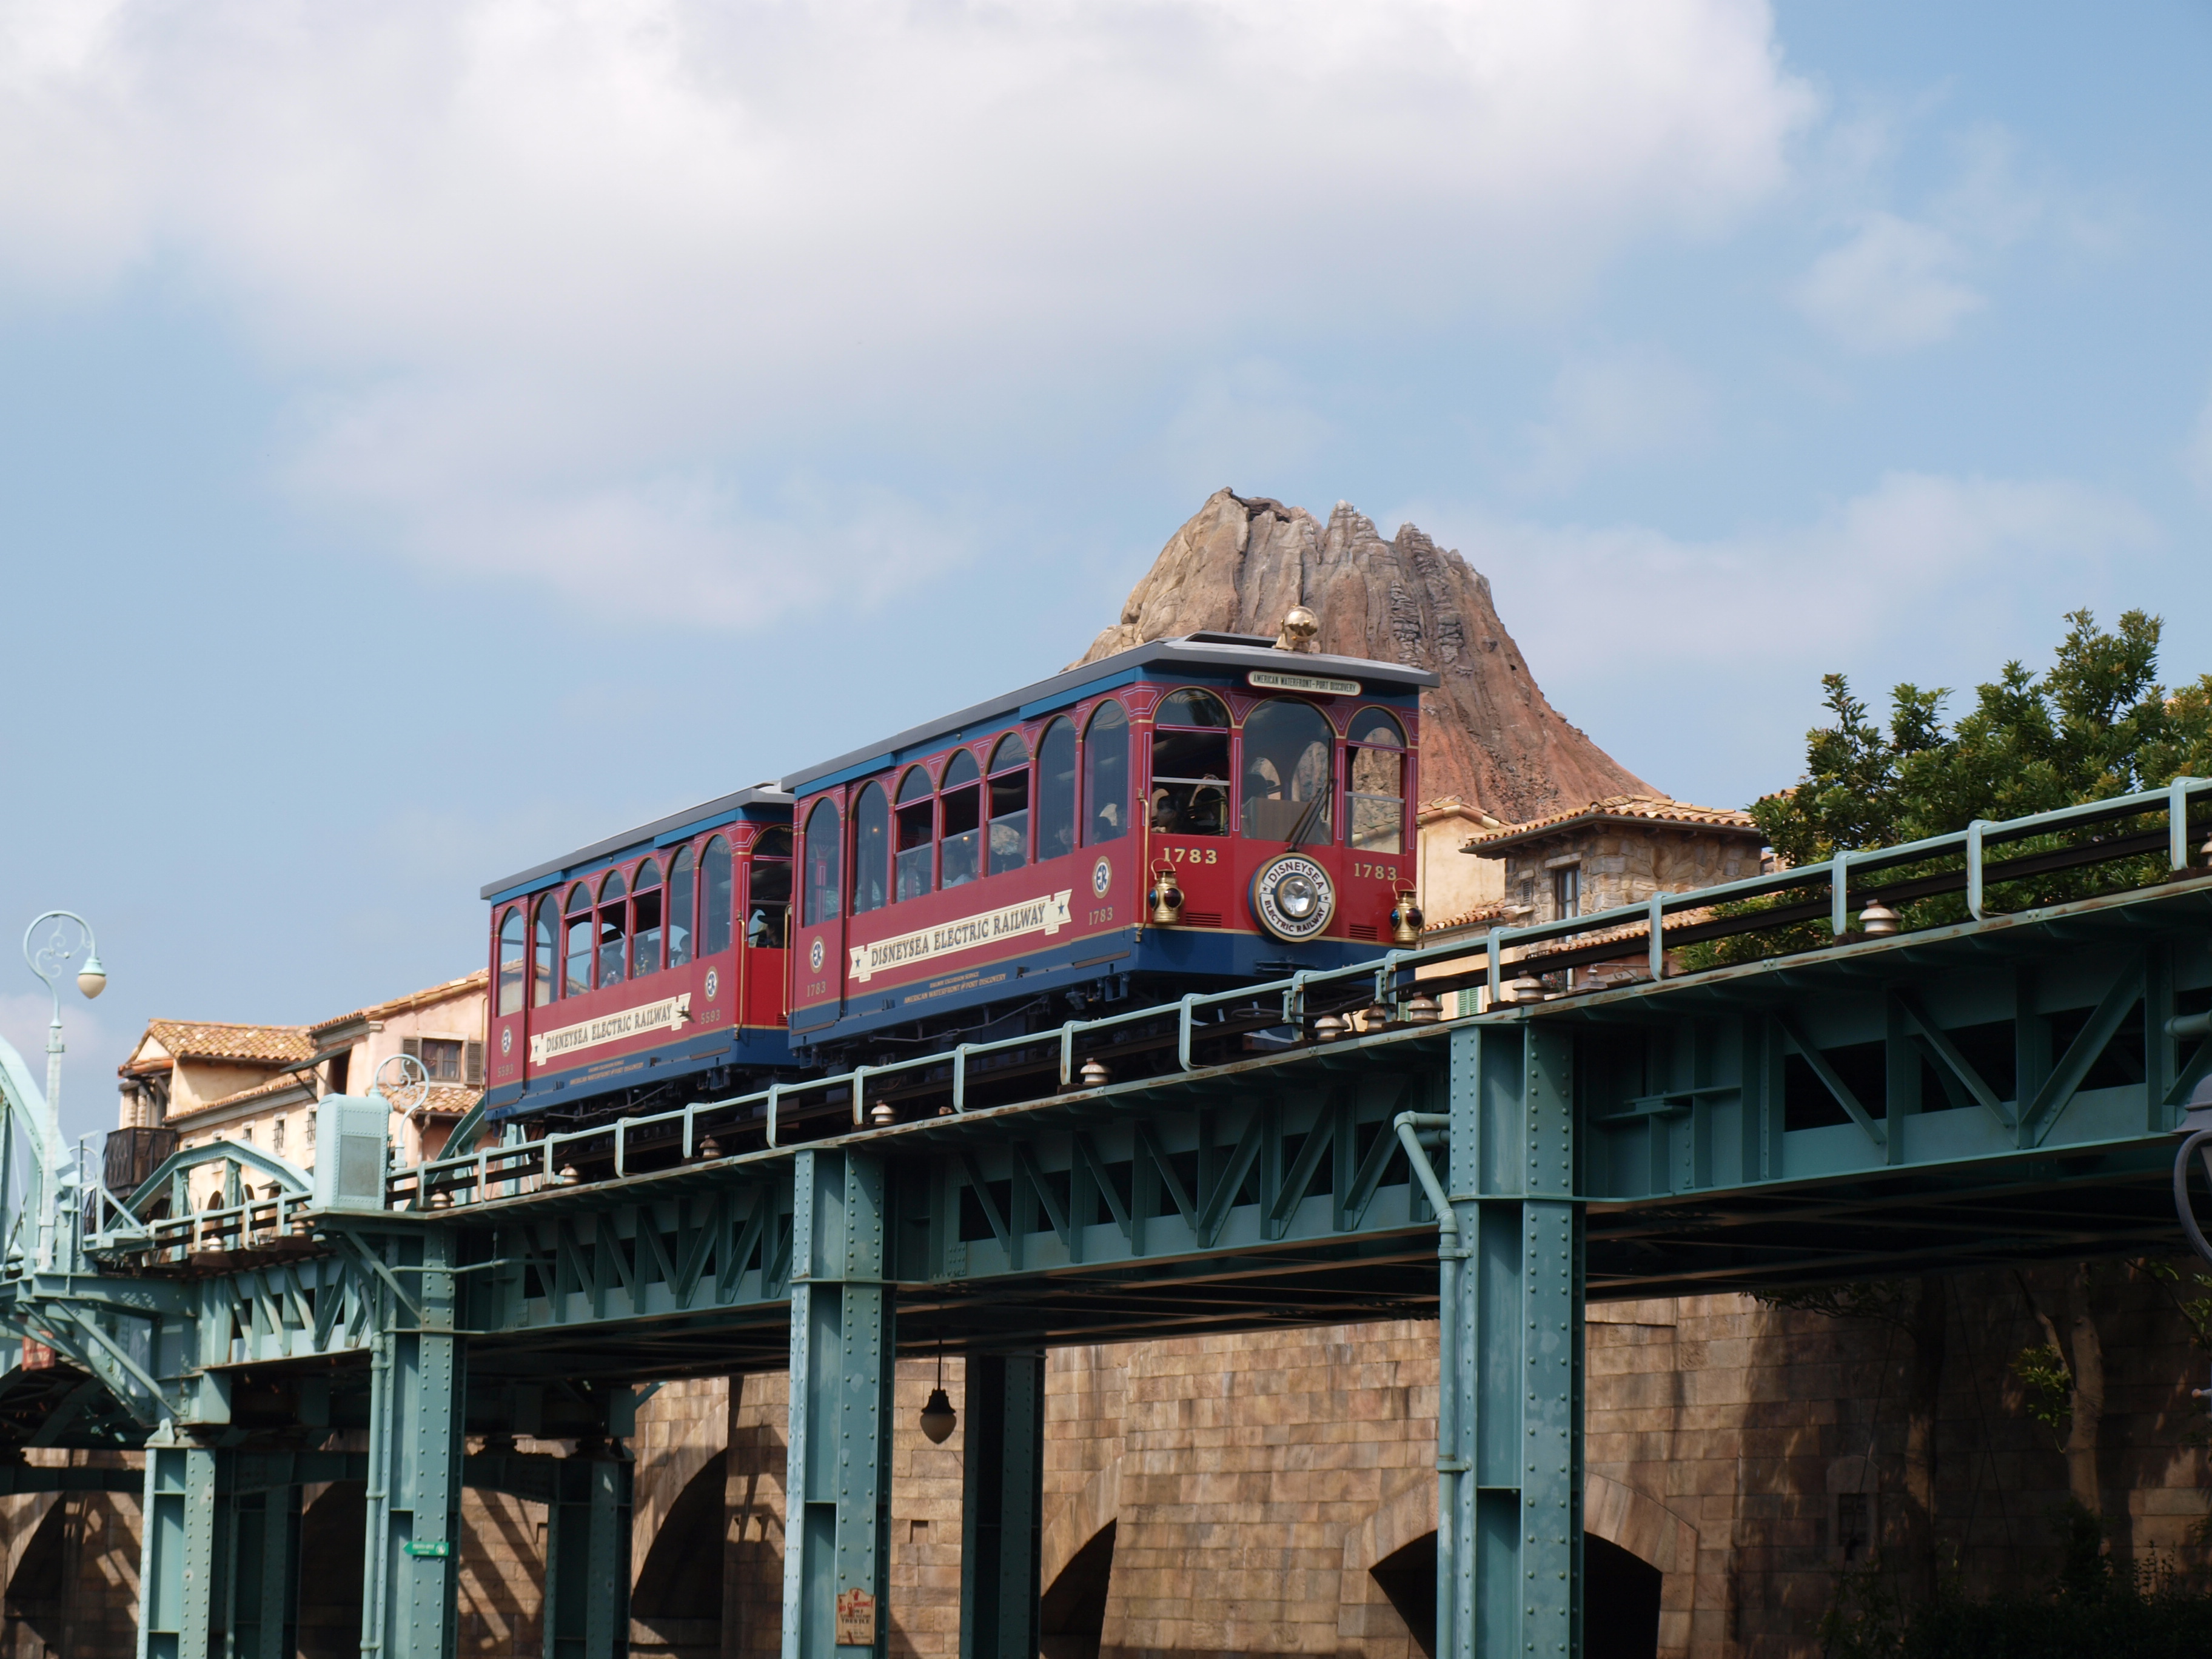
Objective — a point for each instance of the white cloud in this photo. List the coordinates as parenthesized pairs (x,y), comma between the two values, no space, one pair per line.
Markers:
(548,264)
(1252,419)
(1895,284)
(1626,405)
(1898,281)
(1644,636)
(1915,557)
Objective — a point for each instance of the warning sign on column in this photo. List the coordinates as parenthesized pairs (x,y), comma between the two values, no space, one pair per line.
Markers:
(856,1618)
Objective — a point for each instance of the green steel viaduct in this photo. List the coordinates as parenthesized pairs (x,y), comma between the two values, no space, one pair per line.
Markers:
(2011,1086)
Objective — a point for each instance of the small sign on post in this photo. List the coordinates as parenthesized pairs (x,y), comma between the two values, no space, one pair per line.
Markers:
(856,1618)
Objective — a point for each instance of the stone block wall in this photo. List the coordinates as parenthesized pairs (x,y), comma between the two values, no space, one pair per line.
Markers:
(72,1564)
(1626,864)
(1274,1493)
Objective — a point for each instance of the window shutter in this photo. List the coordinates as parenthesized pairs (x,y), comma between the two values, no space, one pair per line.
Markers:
(472,1065)
(411,1046)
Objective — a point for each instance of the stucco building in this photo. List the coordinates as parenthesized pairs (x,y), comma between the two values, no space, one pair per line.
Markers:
(205,1080)
(1618,852)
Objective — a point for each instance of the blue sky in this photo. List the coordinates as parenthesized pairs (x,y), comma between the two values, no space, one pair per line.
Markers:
(432,437)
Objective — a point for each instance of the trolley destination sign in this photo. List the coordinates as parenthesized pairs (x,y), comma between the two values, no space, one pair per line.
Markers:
(1318,685)
(1036,915)
(665,1015)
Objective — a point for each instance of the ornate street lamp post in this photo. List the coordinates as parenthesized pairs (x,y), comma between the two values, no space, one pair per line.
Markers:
(51,959)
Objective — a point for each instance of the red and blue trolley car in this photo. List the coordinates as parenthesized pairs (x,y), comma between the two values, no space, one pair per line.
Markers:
(645,970)
(1187,815)
(1190,815)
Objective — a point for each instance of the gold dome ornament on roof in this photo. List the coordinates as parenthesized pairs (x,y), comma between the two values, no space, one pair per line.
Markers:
(1299,627)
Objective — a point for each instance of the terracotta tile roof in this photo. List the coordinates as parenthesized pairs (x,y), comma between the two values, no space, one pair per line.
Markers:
(451,1099)
(1446,807)
(412,1001)
(1495,911)
(1617,808)
(1620,932)
(267,1045)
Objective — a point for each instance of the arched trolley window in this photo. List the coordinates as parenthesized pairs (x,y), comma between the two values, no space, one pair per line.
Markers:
(577,947)
(645,924)
(683,885)
(1190,765)
(512,960)
(820,897)
(768,889)
(1377,780)
(871,850)
(1009,805)
(717,897)
(1106,775)
(915,826)
(613,922)
(1289,773)
(960,813)
(545,947)
(1056,807)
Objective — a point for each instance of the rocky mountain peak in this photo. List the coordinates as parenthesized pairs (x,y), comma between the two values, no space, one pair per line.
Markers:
(1489,735)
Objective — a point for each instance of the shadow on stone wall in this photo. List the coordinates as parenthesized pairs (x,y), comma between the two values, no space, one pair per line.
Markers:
(1071,1612)
(677,1597)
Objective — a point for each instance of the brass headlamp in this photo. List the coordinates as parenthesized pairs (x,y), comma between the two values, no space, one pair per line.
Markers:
(1167,897)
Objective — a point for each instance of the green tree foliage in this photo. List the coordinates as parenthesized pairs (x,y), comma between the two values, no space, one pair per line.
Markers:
(2048,1385)
(2096,723)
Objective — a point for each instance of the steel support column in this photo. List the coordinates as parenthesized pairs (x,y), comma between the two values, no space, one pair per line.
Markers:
(1509,1456)
(178,1547)
(261,1595)
(836,1556)
(587,1569)
(1001,1505)
(411,1556)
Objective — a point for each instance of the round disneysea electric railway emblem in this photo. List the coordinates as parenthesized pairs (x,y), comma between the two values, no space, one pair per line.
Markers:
(1102,877)
(1293,897)
(506,1040)
(713,983)
(814,955)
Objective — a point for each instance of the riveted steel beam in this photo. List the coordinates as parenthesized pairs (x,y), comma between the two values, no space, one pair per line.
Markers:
(1001,1504)
(1508,1454)
(837,1557)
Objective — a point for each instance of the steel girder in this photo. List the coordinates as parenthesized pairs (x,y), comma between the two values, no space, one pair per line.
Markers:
(1509,1417)
(1002,1505)
(837,1484)
(1994,1090)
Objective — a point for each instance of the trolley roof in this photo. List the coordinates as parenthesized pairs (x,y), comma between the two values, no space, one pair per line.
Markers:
(1237,651)
(721,809)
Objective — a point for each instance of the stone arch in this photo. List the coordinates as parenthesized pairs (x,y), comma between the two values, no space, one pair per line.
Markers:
(678,1595)
(680,1430)
(1654,1534)
(1388,1582)
(1379,1587)
(21,1517)
(1642,1526)
(1076,1567)
(37,1594)
(679,1498)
